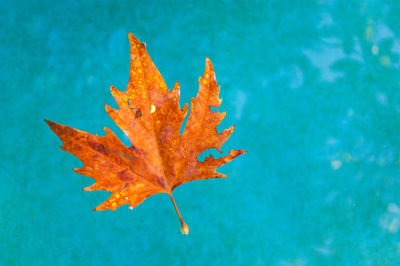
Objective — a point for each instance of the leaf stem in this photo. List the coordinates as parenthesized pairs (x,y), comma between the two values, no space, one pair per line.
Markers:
(184,227)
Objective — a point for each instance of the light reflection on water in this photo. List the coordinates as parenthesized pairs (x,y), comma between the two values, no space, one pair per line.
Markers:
(390,221)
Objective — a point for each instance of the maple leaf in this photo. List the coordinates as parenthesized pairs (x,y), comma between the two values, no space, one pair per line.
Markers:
(160,158)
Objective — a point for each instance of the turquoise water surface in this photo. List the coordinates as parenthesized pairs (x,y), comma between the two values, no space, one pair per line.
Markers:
(313,88)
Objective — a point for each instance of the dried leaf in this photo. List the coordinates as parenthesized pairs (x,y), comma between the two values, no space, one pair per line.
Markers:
(160,158)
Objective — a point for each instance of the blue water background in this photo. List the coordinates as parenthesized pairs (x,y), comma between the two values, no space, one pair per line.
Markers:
(313,88)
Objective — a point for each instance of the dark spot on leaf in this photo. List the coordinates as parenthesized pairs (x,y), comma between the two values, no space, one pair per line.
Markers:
(69,131)
(78,147)
(97,146)
(124,175)
(161,182)
(138,113)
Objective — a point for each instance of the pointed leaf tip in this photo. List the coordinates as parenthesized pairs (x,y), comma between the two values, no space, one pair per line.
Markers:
(48,122)
(209,64)
(133,40)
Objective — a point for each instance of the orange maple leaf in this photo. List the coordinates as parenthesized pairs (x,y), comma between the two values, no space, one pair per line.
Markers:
(160,158)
